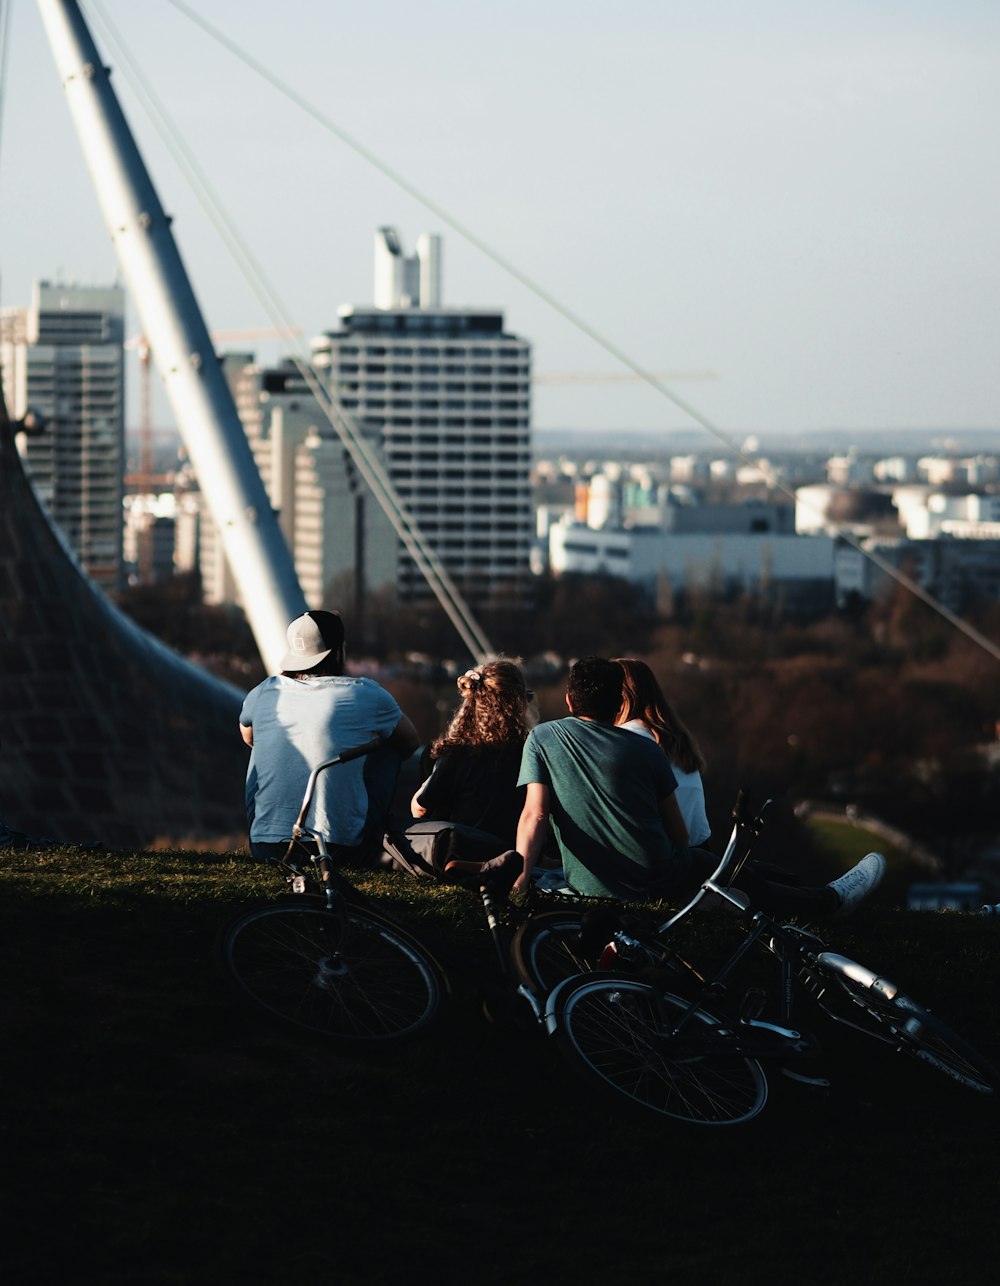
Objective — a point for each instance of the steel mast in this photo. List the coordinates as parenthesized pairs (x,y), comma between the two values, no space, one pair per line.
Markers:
(175,329)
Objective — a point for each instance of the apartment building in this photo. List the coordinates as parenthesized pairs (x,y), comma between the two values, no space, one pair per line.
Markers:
(445,396)
(63,357)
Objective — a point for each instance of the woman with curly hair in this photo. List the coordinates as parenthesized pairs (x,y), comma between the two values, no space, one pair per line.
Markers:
(476,760)
(647,711)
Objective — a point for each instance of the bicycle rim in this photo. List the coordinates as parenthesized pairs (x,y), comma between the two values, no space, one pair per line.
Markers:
(546,950)
(612,1029)
(340,973)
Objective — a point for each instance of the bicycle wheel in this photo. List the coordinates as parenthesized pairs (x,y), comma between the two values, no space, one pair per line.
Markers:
(340,972)
(614,1030)
(546,949)
(553,946)
(882,1011)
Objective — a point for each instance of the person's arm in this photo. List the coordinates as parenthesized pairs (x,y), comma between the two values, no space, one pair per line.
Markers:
(436,793)
(532,828)
(673,822)
(403,737)
(246,732)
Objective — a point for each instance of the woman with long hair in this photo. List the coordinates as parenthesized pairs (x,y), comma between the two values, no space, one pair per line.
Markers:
(647,711)
(476,760)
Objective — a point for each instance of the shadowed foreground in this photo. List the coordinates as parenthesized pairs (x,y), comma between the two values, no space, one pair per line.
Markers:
(156,1133)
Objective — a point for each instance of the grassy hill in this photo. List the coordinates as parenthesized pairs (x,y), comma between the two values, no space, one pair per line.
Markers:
(154,1132)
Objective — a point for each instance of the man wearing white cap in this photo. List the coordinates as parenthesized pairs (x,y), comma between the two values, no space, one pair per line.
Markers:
(305,715)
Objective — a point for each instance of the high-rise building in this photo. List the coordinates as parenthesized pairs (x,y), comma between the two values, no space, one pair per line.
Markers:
(63,357)
(342,543)
(443,394)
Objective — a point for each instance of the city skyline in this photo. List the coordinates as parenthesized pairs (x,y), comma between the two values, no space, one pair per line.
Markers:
(816,237)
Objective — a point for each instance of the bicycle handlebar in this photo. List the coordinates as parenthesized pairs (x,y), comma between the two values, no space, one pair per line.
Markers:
(743,820)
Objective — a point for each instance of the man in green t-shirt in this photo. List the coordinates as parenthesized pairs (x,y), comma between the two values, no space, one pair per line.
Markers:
(609,797)
(608,794)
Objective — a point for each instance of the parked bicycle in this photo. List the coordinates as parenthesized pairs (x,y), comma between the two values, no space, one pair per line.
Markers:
(637,1017)
(330,960)
(325,958)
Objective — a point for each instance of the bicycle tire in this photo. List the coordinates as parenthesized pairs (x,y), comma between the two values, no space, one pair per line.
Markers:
(546,949)
(898,1020)
(342,972)
(611,1028)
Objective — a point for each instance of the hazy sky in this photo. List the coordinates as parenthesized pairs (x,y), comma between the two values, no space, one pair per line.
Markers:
(801,197)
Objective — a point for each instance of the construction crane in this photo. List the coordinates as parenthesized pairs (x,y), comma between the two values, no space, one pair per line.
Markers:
(140,345)
(144,481)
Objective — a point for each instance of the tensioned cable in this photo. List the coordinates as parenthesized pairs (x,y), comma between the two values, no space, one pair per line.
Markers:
(360,449)
(565,311)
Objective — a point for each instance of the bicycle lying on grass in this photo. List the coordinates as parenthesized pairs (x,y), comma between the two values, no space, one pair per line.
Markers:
(641,1020)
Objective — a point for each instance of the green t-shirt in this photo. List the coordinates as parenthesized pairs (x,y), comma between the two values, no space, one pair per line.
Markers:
(606,785)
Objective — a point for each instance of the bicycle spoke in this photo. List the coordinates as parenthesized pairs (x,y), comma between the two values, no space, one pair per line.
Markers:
(342,973)
(613,1028)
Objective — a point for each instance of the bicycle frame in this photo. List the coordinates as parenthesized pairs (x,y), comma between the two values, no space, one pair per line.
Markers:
(335,886)
(791,945)
(332,884)
(753,1037)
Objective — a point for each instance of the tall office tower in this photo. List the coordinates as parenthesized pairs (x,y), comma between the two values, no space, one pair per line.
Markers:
(63,356)
(444,396)
(444,393)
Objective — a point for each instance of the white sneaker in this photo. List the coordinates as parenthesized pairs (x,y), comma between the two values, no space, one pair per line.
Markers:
(856,884)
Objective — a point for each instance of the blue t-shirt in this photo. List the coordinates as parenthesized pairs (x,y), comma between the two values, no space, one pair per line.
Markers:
(605,788)
(297,724)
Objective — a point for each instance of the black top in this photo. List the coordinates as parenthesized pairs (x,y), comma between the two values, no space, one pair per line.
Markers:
(476,786)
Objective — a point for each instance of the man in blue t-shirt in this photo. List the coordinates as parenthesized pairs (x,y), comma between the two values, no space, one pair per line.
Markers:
(608,794)
(306,715)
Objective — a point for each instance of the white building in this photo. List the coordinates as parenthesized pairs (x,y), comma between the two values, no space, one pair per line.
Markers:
(660,560)
(927,513)
(850,469)
(942,470)
(64,357)
(444,393)
(689,468)
(150,529)
(444,396)
(342,543)
(955,572)
(897,468)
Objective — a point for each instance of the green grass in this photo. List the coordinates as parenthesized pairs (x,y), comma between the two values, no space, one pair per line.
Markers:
(156,1133)
(844,842)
